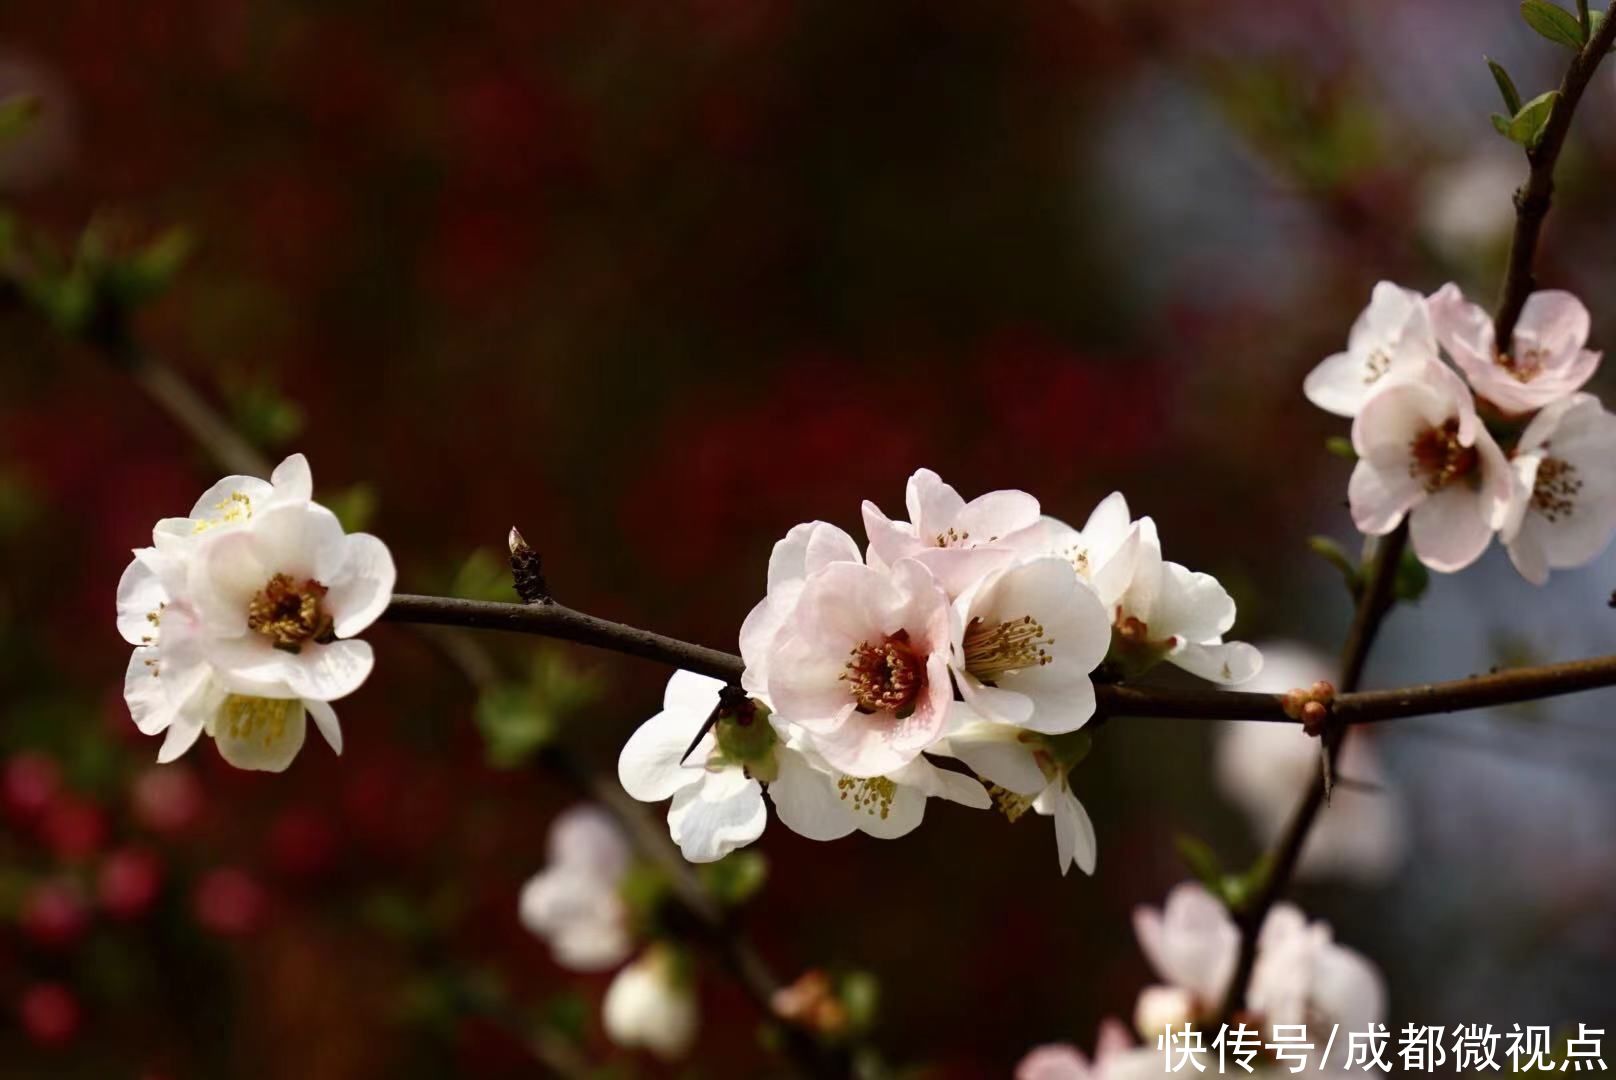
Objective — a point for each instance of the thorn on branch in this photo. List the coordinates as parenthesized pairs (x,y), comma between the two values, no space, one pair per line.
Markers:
(527,572)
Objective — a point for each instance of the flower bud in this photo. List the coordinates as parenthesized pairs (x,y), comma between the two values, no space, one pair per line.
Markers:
(1159,1006)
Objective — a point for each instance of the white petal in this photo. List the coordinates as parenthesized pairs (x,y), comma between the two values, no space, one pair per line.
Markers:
(329,672)
(219,503)
(140,595)
(364,587)
(182,733)
(1074,832)
(712,819)
(261,734)
(1007,762)
(1381,496)
(806,800)
(1231,662)
(1450,529)
(649,766)
(1337,384)
(933,505)
(144,693)
(325,718)
(1193,606)
(292,480)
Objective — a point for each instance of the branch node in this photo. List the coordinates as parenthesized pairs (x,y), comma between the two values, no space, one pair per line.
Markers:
(527,572)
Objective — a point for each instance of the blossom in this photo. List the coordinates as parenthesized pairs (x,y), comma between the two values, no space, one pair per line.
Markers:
(1546,360)
(240,615)
(1171,613)
(1300,976)
(1423,452)
(1393,337)
(1264,769)
(1564,506)
(861,664)
(573,903)
(806,549)
(1030,771)
(1103,552)
(958,541)
(1025,641)
(716,782)
(1116,1057)
(651,1004)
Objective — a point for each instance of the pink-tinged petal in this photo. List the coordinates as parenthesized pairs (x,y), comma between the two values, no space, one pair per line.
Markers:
(711,819)
(325,718)
(1347,989)
(329,672)
(140,595)
(806,800)
(1191,943)
(220,503)
(1528,557)
(1465,330)
(861,749)
(1555,322)
(1338,384)
(1231,662)
(182,734)
(1113,1039)
(1450,529)
(805,684)
(889,540)
(293,480)
(933,505)
(364,587)
(1054,1061)
(1379,497)
(991,518)
(1108,522)
(957,570)
(587,840)
(759,631)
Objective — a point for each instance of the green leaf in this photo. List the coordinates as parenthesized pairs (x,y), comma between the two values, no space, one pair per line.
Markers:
(1201,860)
(1412,578)
(736,877)
(860,994)
(1331,552)
(1501,124)
(147,274)
(520,719)
(1553,22)
(17,114)
(1238,889)
(1527,127)
(1506,86)
(1338,446)
(267,417)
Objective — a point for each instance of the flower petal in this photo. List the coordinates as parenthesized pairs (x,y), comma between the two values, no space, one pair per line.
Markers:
(712,819)
(325,718)
(364,587)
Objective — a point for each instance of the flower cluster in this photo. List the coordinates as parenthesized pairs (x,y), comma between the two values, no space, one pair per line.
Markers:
(1498,439)
(576,904)
(242,616)
(972,631)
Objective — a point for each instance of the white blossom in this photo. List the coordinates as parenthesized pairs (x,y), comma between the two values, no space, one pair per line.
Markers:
(1564,507)
(1394,336)
(957,541)
(805,550)
(1103,553)
(1423,452)
(574,903)
(1546,359)
(651,1004)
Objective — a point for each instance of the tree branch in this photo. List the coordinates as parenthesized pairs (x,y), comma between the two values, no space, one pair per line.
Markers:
(1533,199)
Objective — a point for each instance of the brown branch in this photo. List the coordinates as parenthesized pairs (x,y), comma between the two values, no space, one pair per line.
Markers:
(1533,199)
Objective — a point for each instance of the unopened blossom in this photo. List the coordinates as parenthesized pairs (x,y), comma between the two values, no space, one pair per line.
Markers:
(238,614)
(1564,507)
(717,786)
(651,1005)
(805,550)
(1102,553)
(1116,1057)
(1301,975)
(1030,771)
(1025,641)
(574,903)
(1424,453)
(958,541)
(1265,768)
(1546,360)
(1394,336)
(861,664)
(1171,613)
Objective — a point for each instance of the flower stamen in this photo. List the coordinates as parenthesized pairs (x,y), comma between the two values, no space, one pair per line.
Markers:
(1437,454)
(873,796)
(885,677)
(1555,493)
(993,649)
(290,614)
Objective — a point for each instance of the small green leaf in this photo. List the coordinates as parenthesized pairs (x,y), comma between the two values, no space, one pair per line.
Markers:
(514,726)
(145,275)
(1553,22)
(1338,446)
(17,115)
(736,877)
(860,994)
(1506,86)
(1331,552)
(1501,124)
(1238,889)
(1527,127)
(265,416)
(1201,860)
(1412,578)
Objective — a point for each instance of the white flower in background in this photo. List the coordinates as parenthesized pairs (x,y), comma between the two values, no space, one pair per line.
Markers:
(1029,771)
(1103,552)
(716,791)
(1422,451)
(651,1005)
(1466,207)
(1301,975)
(1564,507)
(1265,768)
(1175,614)
(1394,336)
(1026,639)
(862,665)
(573,903)
(236,615)
(1116,1057)
(958,541)
(806,549)
(1546,360)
